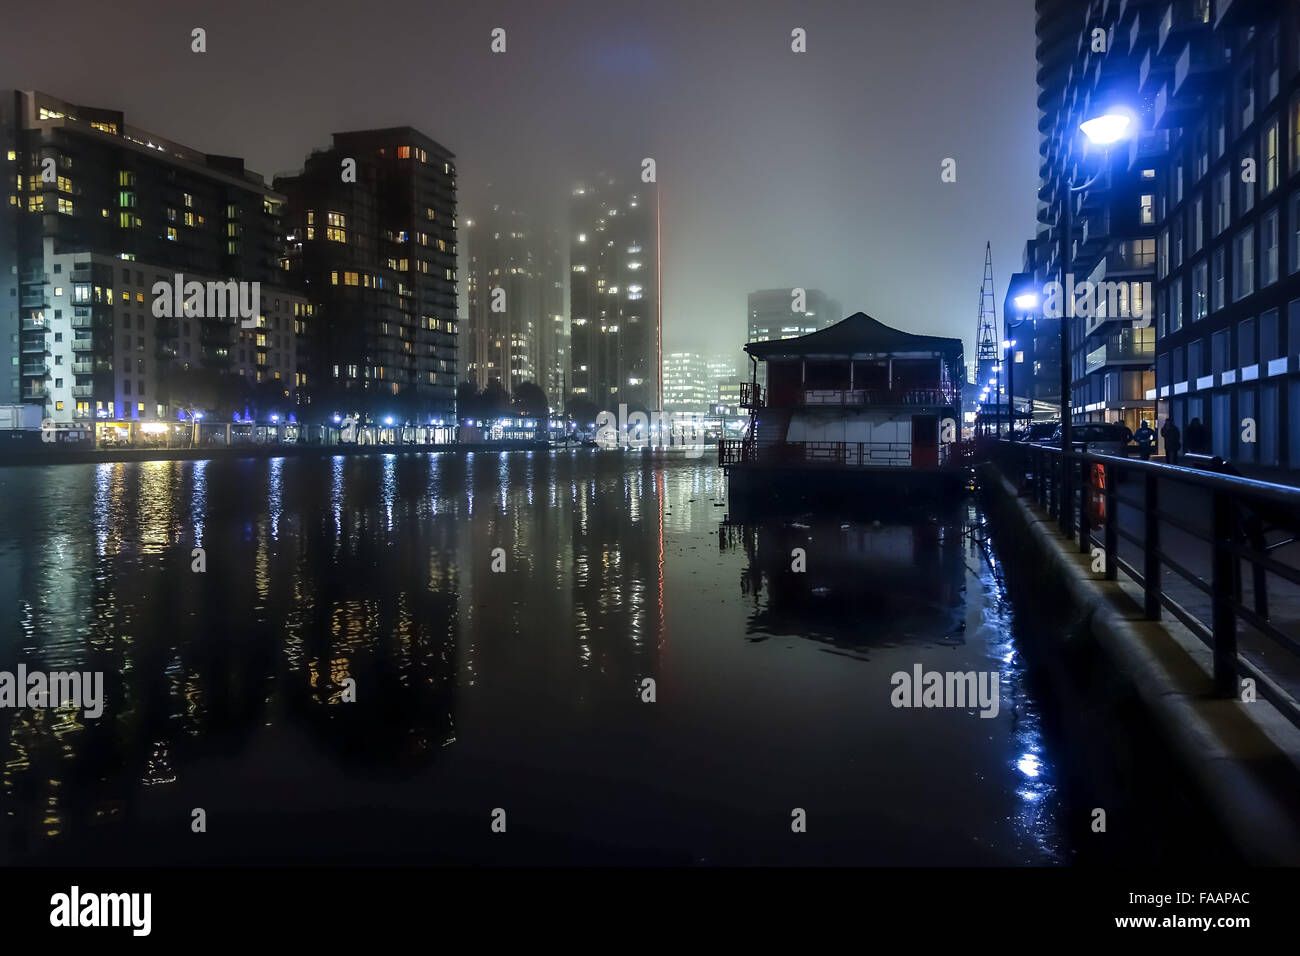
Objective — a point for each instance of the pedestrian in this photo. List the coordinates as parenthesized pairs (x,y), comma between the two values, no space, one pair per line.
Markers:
(1145,438)
(1173,440)
(1198,438)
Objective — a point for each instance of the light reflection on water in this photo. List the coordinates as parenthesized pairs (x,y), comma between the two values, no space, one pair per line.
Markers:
(373,576)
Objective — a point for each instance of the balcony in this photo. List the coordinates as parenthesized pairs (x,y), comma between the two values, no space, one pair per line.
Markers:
(1170,113)
(820,454)
(1230,14)
(1153,71)
(34,300)
(1127,258)
(940,395)
(83,345)
(1180,20)
(35,390)
(1122,349)
(83,391)
(1148,145)
(34,345)
(83,322)
(1196,70)
(35,368)
(35,325)
(83,368)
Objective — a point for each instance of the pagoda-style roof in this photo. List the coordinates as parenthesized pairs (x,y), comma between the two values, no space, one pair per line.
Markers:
(859,336)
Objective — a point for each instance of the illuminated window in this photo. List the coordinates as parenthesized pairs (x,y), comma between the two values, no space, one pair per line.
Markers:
(171,233)
(403,152)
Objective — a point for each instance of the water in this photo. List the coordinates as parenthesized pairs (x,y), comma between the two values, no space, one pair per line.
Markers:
(517,690)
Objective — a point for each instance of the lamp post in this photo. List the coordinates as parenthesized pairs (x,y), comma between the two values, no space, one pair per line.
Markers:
(1024,302)
(1104,131)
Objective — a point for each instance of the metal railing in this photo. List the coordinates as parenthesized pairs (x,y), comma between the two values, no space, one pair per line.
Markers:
(751,395)
(839,454)
(1248,521)
(931,395)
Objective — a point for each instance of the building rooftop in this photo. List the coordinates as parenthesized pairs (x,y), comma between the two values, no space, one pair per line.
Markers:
(858,335)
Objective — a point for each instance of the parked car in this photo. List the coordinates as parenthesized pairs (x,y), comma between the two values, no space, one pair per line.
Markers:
(1099,438)
(1039,432)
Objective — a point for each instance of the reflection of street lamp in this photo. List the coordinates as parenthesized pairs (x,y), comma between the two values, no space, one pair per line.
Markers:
(1105,131)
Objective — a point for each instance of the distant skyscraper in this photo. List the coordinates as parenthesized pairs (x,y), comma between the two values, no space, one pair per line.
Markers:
(687,385)
(505,313)
(553,331)
(379,256)
(772,315)
(723,367)
(616,331)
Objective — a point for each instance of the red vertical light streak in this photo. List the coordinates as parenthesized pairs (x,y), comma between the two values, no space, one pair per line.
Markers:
(659,304)
(659,481)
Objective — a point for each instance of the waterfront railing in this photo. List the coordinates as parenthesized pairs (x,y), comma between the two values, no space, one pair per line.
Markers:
(1194,530)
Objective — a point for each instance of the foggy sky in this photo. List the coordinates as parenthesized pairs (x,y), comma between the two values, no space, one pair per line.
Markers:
(776,169)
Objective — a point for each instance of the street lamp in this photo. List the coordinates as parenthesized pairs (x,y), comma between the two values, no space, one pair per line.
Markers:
(1026,302)
(1105,131)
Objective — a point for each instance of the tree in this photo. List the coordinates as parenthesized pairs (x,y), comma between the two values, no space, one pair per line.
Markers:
(582,411)
(467,401)
(494,401)
(531,401)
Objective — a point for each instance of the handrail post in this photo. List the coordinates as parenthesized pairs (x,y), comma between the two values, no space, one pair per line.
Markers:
(1111,477)
(1223,616)
(1055,491)
(1151,547)
(1066,502)
(1084,523)
(1039,456)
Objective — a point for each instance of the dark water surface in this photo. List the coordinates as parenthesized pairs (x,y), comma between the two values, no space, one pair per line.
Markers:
(520,689)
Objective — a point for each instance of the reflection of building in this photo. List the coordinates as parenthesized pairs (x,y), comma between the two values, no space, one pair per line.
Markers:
(97,212)
(615,327)
(379,258)
(867,579)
